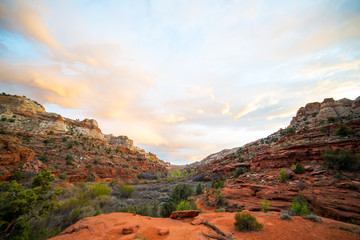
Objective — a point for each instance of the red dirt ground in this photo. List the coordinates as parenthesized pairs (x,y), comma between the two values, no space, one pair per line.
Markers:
(110,226)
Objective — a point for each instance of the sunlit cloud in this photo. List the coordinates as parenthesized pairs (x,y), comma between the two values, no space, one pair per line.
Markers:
(182,79)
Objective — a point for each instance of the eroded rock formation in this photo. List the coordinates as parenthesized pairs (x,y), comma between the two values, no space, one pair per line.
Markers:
(32,139)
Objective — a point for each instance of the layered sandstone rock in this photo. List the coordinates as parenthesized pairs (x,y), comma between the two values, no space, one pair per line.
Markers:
(32,140)
(310,133)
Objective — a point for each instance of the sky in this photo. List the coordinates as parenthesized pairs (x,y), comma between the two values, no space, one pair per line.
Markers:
(185,78)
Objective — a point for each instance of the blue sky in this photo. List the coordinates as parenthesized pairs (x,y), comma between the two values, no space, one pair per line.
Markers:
(183,79)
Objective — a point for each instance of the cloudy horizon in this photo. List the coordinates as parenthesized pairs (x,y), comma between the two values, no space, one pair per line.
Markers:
(183,79)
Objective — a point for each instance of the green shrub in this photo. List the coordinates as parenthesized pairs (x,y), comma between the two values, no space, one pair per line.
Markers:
(181,192)
(343,160)
(332,119)
(353,187)
(183,205)
(245,222)
(285,215)
(16,176)
(220,200)
(290,131)
(299,169)
(70,145)
(125,191)
(56,166)
(43,158)
(313,218)
(51,132)
(167,208)
(19,204)
(100,190)
(63,176)
(199,189)
(265,205)
(240,171)
(282,176)
(3,119)
(12,120)
(217,184)
(155,208)
(343,131)
(300,206)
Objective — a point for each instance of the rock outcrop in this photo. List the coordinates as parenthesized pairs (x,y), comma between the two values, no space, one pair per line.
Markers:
(32,139)
(184,214)
(313,130)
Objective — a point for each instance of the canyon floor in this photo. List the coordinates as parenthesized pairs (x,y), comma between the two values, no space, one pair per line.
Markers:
(113,226)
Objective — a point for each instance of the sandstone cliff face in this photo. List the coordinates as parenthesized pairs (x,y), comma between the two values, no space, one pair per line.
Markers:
(32,140)
(28,115)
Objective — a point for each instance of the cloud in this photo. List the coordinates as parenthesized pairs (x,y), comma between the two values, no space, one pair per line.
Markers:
(183,80)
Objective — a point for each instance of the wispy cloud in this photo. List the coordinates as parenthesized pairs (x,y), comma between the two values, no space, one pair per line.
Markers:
(183,79)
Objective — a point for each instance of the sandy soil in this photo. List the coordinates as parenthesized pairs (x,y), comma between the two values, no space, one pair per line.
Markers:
(110,227)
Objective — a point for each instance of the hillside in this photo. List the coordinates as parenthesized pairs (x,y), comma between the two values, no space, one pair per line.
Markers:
(316,127)
(32,140)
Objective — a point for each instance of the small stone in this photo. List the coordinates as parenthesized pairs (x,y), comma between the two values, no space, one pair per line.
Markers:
(197,222)
(308,168)
(184,214)
(128,230)
(163,232)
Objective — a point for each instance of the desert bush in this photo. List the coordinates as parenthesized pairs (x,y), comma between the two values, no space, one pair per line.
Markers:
(175,173)
(217,184)
(299,169)
(313,218)
(220,200)
(186,205)
(282,176)
(199,189)
(332,119)
(19,204)
(43,158)
(300,206)
(155,209)
(148,175)
(125,191)
(353,187)
(284,214)
(99,190)
(343,160)
(240,171)
(183,205)
(265,205)
(181,192)
(343,131)
(63,176)
(167,208)
(199,177)
(245,222)
(16,176)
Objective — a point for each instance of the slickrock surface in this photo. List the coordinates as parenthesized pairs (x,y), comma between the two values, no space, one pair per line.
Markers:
(127,226)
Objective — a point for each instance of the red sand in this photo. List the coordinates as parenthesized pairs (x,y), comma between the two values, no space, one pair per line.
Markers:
(110,226)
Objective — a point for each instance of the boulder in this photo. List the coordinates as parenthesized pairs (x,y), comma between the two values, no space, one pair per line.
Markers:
(184,214)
